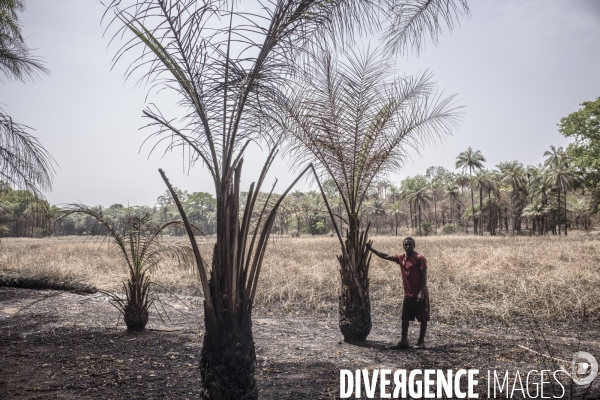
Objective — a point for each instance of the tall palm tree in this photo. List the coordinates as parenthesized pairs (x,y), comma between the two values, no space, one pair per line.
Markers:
(228,93)
(421,197)
(395,212)
(536,211)
(356,120)
(513,175)
(453,194)
(563,176)
(435,188)
(472,160)
(24,163)
(377,209)
(483,180)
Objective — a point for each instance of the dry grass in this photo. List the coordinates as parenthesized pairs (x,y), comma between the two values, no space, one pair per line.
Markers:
(474,280)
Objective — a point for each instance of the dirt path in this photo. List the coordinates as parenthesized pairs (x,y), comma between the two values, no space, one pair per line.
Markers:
(62,345)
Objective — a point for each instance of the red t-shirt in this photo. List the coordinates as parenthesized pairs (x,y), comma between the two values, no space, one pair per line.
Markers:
(411,274)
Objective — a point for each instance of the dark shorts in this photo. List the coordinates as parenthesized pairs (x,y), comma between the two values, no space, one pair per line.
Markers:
(411,309)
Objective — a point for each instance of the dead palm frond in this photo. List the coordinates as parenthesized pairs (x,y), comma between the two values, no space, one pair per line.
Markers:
(141,249)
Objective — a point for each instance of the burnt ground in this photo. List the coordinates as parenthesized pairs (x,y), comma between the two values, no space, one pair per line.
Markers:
(63,345)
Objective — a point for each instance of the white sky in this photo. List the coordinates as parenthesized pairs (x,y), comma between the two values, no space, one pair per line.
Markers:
(517,65)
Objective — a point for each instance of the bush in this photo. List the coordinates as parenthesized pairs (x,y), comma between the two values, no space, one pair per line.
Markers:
(449,229)
(427,227)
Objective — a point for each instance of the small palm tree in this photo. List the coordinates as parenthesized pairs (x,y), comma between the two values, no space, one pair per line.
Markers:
(473,161)
(138,242)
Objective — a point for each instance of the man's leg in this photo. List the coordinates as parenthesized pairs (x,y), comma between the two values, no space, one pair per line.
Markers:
(403,343)
(405,324)
(422,332)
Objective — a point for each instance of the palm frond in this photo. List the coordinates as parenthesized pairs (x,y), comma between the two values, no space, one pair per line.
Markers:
(413,20)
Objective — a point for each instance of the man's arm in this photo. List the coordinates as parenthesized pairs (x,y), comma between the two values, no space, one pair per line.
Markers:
(380,254)
(421,294)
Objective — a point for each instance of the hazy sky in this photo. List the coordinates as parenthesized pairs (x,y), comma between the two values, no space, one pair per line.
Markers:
(518,66)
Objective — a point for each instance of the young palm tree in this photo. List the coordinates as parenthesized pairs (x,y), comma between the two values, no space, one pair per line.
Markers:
(138,242)
(356,120)
(473,160)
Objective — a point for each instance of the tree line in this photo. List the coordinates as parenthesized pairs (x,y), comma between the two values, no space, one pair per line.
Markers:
(548,198)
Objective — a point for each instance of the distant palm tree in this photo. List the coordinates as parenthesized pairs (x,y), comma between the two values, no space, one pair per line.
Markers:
(535,211)
(453,194)
(395,212)
(555,156)
(483,180)
(473,160)
(377,209)
(512,174)
(421,197)
(563,176)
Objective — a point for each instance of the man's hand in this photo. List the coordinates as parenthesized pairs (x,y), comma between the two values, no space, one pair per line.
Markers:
(420,296)
(369,247)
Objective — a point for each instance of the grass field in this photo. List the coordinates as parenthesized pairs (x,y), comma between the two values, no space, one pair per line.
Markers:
(472,280)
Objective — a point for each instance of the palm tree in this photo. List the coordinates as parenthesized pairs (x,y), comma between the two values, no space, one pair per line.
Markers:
(395,212)
(228,93)
(420,197)
(376,209)
(473,160)
(452,192)
(512,174)
(355,119)
(563,177)
(536,211)
(24,163)
(138,243)
(483,180)
(435,187)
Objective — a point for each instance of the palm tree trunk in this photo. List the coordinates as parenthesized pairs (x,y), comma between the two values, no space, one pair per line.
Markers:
(480,211)
(435,212)
(559,216)
(473,210)
(566,220)
(419,219)
(354,303)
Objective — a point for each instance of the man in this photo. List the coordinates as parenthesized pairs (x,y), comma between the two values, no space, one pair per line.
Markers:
(416,296)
